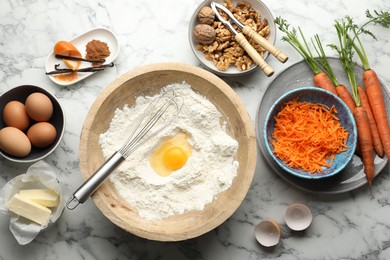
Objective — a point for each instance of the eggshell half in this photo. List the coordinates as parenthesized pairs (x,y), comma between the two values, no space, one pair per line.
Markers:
(268,233)
(298,216)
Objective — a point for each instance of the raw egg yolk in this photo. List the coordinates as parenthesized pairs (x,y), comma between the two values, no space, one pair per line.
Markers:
(175,158)
(171,155)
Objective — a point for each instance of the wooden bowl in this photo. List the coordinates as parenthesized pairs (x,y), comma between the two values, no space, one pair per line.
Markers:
(152,78)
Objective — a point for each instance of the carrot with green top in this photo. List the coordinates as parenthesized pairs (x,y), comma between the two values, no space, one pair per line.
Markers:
(345,52)
(344,94)
(341,90)
(370,78)
(320,79)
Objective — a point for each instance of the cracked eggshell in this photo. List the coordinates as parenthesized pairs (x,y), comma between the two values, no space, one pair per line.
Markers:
(298,216)
(268,233)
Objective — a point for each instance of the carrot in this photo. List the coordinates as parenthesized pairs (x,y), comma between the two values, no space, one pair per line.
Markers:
(370,78)
(371,81)
(341,90)
(308,136)
(375,97)
(344,94)
(363,126)
(321,80)
(376,139)
(365,142)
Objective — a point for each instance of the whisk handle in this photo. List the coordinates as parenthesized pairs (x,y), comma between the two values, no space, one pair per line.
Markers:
(95,180)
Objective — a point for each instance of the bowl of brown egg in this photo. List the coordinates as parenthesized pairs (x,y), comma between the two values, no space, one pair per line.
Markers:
(32,124)
(188,178)
(214,44)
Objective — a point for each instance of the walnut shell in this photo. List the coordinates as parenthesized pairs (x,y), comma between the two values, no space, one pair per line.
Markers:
(206,15)
(204,33)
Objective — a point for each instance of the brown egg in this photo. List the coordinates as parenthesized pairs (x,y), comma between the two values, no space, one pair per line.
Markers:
(14,142)
(14,114)
(39,107)
(42,134)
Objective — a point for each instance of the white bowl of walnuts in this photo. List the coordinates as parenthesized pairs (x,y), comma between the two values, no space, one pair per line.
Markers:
(214,44)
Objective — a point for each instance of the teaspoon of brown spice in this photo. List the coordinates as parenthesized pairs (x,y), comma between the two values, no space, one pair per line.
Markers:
(97,50)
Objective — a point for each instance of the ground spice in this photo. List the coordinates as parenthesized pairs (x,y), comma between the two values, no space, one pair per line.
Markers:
(97,50)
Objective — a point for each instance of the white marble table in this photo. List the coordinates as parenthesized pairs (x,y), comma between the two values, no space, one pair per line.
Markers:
(353,225)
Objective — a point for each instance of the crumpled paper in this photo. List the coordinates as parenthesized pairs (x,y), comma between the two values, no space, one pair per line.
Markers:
(38,176)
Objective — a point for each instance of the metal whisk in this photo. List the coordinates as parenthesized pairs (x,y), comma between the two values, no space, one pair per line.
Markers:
(146,127)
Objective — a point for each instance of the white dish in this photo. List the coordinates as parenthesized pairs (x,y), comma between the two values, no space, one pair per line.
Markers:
(101,34)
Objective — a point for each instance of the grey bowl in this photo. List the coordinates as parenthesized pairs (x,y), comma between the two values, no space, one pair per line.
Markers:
(57,120)
(260,7)
(313,95)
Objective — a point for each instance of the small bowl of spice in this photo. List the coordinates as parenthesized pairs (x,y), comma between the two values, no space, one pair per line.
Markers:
(74,60)
(214,44)
(310,133)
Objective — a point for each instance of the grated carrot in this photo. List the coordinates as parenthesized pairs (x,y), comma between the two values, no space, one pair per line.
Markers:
(308,136)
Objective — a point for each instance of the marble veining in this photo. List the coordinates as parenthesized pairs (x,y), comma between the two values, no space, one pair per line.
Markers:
(354,225)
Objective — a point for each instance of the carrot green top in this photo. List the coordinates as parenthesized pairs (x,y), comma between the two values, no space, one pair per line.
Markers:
(308,136)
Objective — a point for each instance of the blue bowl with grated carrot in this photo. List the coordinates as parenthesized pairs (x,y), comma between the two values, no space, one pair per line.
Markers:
(310,133)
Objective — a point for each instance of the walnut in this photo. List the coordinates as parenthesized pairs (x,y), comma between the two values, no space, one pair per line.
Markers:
(265,31)
(243,63)
(206,15)
(204,33)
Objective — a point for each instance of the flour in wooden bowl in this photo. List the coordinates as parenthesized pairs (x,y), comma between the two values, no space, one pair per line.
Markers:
(209,170)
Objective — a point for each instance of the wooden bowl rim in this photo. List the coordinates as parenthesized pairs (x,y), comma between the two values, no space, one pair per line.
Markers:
(249,133)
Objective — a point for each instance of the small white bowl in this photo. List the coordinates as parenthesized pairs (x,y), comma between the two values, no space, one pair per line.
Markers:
(298,217)
(268,233)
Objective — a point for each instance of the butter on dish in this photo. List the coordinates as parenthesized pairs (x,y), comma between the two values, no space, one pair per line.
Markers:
(29,209)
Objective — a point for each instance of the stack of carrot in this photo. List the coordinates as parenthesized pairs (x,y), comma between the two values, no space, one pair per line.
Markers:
(367,104)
